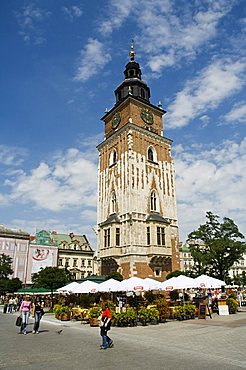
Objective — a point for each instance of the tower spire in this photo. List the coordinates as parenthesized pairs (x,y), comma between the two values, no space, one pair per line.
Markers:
(132,52)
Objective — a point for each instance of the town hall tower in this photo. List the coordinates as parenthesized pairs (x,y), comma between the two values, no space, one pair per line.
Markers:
(137,216)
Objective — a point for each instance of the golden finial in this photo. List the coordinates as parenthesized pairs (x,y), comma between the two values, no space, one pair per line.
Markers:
(132,52)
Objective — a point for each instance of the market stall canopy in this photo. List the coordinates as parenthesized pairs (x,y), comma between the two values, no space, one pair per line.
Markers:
(135,284)
(180,282)
(205,281)
(110,285)
(69,287)
(153,284)
(86,287)
(35,291)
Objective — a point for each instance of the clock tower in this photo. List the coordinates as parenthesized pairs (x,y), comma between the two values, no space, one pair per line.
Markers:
(137,216)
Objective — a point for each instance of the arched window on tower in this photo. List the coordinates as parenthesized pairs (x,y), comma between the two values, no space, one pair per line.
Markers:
(113,203)
(142,92)
(151,154)
(113,157)
(154,201)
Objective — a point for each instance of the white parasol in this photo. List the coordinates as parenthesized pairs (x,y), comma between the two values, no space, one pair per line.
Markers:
(205,281)
(110,285)
(87,287)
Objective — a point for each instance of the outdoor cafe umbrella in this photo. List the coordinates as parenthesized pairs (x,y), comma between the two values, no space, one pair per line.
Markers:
(205,281)
(110,285)
(134,284)
(68,287)
(86,287)
(153,284)
(180,282)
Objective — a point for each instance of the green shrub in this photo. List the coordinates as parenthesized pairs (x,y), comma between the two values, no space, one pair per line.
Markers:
(94,312)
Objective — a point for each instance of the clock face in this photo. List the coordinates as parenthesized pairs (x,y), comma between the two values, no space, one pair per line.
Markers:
(147,116)
(116,120)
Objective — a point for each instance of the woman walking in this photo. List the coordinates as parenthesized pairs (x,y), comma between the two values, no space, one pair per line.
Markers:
(25,310)
(105,324)
(37,313)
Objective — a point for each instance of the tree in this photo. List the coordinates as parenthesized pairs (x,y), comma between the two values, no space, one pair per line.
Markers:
(51,278)
(240,280)
(114,275)
(215,246)
(175,273)
(5,266)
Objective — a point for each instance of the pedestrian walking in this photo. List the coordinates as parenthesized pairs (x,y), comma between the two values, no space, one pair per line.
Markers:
(37,313)
(105,324)
(11,304)
(25,310)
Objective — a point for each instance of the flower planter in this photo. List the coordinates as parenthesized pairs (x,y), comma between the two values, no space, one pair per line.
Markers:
(94,321)
(65,317)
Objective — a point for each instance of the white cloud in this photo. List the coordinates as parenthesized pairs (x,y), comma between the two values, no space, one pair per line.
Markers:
(72,12)
(12,156)
(206,91)
(117,13)
(93,58)
(69,181)
(237,114)
(212,179)
(29,18)
(166,30)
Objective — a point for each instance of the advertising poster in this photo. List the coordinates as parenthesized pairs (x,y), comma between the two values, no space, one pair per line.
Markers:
(41,257)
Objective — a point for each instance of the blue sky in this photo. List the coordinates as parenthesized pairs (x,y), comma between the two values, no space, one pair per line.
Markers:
(60,63)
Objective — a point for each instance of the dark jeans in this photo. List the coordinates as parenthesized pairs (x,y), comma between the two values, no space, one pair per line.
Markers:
(106,341)
(37,318)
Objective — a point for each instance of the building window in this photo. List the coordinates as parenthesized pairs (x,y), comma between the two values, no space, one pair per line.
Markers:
(106,238)
(82,263)
(60,262)
(113,157)
(75,262)
(142,93)
(157,272)
(113,202)
(148,235)
(89,263)
(150,155)
(153,201)
(160,235)
(67,262)
(117,236)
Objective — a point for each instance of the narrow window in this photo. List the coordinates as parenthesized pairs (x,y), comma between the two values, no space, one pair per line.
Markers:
(106,238)
(148,235)
(113,202)
(153,201)
(150,155)
(160,235)
(117,236)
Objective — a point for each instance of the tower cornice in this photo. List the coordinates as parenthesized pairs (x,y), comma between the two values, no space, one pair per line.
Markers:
(131,126)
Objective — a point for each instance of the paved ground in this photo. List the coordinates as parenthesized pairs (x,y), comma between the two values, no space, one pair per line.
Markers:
(215,344)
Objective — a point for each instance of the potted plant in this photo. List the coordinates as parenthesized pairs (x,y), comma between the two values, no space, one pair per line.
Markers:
(164,309)
(179,311)
(153,315)
(57,311)
(65,313)
(233,305)
(131,316)
(93,314)
(143,315)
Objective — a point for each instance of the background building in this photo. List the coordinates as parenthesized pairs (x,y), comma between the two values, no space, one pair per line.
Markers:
(41,254)
(187,262)
(75,254)
(137,217)
(15,243)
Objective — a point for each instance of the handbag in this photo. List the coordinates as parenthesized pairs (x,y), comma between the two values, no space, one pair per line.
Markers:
(18,321)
